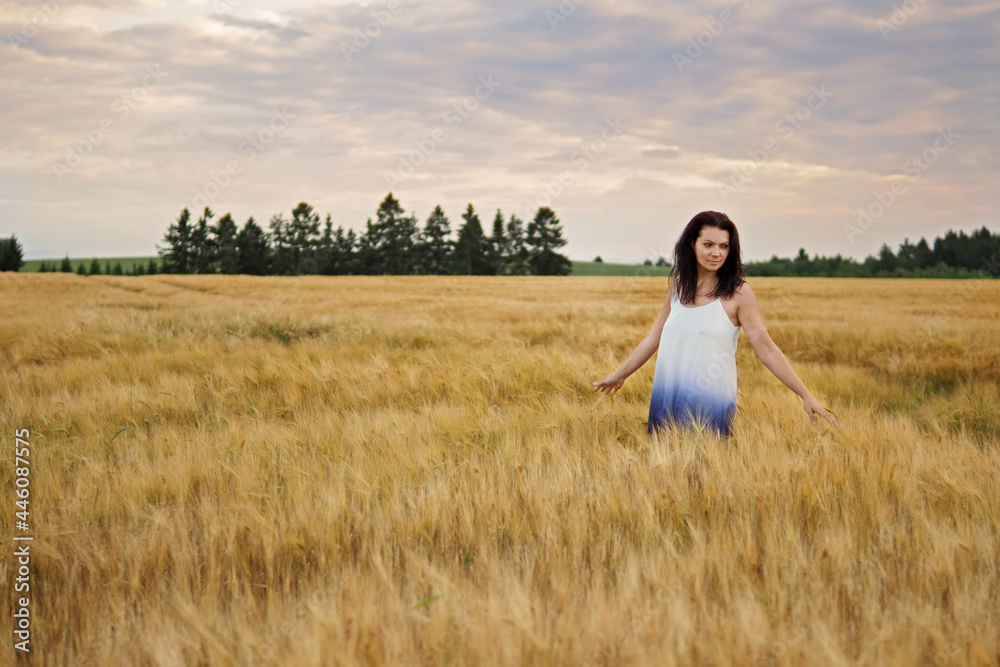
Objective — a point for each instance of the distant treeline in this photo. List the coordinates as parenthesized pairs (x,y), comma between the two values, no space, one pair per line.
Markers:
(95,269)
(955,255)
(393,244)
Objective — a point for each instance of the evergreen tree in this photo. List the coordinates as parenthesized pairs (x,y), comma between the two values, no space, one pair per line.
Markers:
(66,266)
(202,244)
(279,238)
(986,258)
(389,243)
(177,251)
(303,236)
(906,257)
(949,249)
(81,269)
(345,250)
(886,260)
(471,249)
(366,261)
(337,248)
(498,248)
(151,267)
(543,237)
(967,252)
(43,267)
(252,251)
(95,268)
(921,254)
(224,240)
(118,269)
(435,247)
(11,254)
(326,259)
(801,264)
(516,262)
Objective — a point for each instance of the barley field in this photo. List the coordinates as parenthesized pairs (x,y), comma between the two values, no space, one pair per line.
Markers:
(232,470)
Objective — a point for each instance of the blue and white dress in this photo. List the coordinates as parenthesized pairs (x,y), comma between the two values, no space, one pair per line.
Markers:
(695,377)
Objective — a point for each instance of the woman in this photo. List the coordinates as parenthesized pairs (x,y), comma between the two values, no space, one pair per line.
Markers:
(697,330)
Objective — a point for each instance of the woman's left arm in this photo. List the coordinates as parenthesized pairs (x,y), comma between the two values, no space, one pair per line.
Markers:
(772,357)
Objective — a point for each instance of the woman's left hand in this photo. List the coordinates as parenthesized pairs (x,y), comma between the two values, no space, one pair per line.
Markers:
(609,385)
(814,408)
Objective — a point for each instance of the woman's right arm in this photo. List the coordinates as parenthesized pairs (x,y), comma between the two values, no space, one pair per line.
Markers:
(640,355)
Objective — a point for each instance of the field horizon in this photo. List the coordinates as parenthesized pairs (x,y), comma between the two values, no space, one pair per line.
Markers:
(580,268)
(236,470)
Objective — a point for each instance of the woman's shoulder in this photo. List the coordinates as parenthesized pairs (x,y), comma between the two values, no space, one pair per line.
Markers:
(743,291)
(744,295)
(740,294)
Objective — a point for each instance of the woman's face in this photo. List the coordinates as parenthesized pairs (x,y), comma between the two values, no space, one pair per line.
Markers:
(711,248)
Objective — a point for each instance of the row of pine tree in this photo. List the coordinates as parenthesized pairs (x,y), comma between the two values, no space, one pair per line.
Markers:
(954,255)
(117,269)
(295,246)
(393,244)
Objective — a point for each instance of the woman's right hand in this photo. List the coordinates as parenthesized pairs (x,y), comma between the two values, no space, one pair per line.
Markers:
(609,385)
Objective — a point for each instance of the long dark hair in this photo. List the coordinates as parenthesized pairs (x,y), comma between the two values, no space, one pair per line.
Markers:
(685,270)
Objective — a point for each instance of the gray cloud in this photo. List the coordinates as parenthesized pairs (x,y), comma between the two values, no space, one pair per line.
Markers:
(358,118)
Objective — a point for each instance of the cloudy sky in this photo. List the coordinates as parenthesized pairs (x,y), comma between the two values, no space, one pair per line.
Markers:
(625,116)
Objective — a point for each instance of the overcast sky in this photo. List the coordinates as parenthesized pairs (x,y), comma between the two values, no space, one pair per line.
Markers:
(627,117)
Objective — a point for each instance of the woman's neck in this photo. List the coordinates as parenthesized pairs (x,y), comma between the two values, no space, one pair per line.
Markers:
(706,282)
